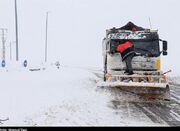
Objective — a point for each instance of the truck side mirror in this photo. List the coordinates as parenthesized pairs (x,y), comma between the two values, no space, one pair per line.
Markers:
(165,48)
(165,53)
(165,45)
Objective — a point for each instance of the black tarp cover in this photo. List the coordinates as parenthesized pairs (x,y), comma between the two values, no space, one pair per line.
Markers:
(130,26)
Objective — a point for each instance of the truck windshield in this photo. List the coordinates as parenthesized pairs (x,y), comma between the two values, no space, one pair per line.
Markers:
(144,47)
(150,48)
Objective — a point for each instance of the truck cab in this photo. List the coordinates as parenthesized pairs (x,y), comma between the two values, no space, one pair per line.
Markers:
(147,46)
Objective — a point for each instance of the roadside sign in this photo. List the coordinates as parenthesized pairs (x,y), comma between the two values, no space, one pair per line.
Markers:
(3,64)
(25,63)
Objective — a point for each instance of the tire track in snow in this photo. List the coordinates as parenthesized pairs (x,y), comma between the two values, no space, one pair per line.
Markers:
(175,94)
(164,112)
(149,114)
(175,99)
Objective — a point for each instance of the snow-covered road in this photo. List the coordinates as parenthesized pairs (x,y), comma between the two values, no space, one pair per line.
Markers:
(69,96)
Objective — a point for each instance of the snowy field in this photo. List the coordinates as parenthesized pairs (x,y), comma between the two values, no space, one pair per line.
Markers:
(69,97)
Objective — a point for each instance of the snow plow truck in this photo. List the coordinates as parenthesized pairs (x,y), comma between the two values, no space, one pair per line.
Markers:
(147,80)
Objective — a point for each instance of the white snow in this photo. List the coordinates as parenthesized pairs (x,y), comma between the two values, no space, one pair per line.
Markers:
(55,97)
(174,80)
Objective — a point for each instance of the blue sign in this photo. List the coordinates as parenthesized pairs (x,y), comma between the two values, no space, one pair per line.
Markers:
(3,64)
(25,63)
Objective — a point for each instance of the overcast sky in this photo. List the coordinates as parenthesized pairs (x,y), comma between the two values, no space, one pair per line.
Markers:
(77,27)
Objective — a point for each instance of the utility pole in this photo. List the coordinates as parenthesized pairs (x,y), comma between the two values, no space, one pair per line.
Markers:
(10,51)
(16,25)
(46,39)
(3,37)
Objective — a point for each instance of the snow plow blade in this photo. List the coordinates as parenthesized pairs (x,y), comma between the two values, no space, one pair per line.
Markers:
(147,90)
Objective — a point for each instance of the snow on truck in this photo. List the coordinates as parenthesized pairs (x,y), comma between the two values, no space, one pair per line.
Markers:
(147,78)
